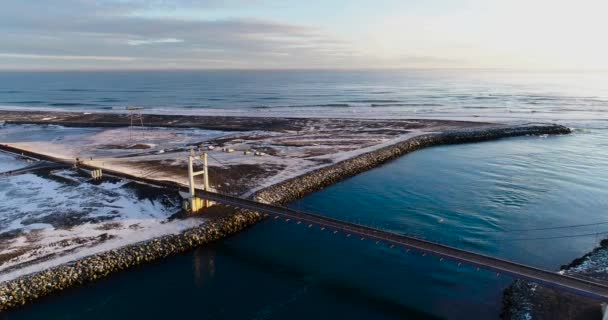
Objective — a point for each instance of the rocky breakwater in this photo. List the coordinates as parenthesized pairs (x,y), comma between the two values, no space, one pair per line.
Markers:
(300,186)
(27,288)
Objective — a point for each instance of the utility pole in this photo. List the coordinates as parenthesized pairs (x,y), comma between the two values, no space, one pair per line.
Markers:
(134,115)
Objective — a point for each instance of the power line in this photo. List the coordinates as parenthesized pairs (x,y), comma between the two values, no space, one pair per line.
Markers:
(231,188)
(551,228)
(223,164)
(220,162)
(554,237)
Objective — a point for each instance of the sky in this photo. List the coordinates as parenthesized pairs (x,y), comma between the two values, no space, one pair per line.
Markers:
(311,34)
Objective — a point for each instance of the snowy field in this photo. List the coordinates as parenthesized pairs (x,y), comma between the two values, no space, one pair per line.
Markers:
(8,162)
(70,143)
(50,218)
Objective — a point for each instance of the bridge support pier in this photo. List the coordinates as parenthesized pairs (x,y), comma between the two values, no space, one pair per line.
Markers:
(96,174)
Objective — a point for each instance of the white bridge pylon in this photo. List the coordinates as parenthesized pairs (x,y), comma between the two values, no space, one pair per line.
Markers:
(197,203)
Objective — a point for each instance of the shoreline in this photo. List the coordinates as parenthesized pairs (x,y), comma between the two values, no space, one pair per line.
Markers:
(524,299)
(28,288)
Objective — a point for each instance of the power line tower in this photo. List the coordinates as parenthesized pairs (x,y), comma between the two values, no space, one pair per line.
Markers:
(135,115)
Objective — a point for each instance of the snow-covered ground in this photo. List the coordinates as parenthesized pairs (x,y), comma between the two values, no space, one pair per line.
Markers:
(8,162)
(593,265)
(46,220)
(71,143)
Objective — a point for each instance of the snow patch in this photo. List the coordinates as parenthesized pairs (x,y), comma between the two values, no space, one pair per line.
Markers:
(47,222)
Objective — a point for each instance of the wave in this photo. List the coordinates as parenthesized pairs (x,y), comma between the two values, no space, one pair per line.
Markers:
(377,105)
(73,104)
(542,98)
(27,102)
(200,106)
(372,101)
(331,105)
(339,105)
(11,91)
(76,90)
(126,91)
(560,98)
(110,100)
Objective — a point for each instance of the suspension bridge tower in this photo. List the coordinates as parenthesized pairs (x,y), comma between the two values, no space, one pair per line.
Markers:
(192,202)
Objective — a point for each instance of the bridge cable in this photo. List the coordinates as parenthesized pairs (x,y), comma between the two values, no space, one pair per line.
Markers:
(241,172)
(231,188)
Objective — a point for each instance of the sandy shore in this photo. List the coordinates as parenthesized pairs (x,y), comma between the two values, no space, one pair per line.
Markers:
(300,156)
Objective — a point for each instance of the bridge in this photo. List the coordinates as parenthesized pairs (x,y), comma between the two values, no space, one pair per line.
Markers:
(40,165)
(582,287)
(546,278)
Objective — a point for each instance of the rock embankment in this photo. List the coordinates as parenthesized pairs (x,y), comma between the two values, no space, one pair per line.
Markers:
(527,300)
(300,186)
(28,288)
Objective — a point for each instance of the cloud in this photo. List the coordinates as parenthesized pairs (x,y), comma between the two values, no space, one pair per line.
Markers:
(114,34)
(153,41)
(63,57)
(84,28)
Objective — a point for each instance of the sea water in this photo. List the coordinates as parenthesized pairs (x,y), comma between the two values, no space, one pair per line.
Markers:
(500,94)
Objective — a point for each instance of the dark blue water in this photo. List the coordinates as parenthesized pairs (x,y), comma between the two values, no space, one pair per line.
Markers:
(482,197)
(386,93)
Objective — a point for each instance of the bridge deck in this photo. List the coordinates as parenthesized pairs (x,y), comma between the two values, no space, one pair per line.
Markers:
(547,278)
(36,166)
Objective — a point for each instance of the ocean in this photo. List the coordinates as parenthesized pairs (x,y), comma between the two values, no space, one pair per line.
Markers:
(489,94)
(535,200)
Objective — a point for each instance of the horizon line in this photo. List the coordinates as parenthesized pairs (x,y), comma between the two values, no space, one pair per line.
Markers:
(302,69)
